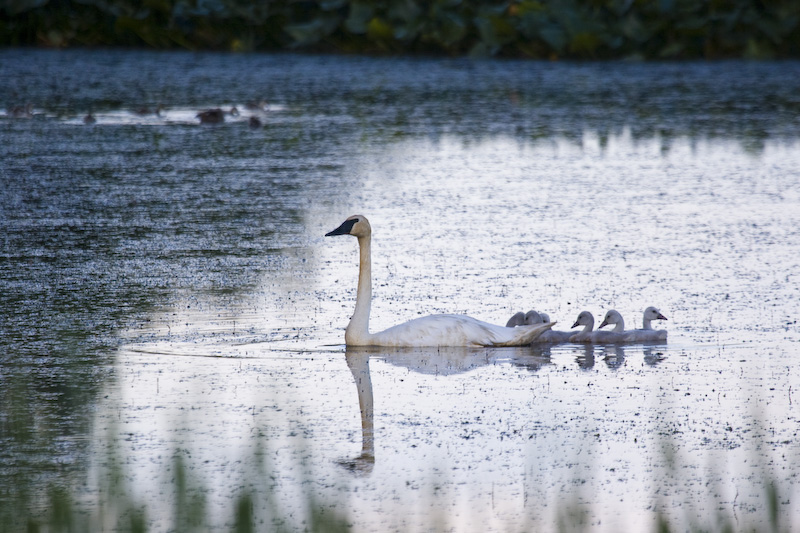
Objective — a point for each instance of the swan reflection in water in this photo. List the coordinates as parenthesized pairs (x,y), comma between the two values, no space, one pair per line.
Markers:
(614,355)
(454,360)
(358,362)
(584,356)
(432,361)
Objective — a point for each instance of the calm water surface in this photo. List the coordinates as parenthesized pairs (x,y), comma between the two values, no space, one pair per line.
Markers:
(167,295)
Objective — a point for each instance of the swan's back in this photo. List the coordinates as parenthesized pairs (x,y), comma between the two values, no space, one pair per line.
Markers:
(456,330)
(607,337)
(581,336)
(554,337)
(598,337)
(646,335)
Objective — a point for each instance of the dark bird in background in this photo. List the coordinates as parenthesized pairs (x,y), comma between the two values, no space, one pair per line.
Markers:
(211,116)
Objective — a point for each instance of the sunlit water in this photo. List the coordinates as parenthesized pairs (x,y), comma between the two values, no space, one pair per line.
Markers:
(167,291)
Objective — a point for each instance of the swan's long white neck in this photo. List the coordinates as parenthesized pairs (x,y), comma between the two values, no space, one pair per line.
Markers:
(357,331)
(646,324)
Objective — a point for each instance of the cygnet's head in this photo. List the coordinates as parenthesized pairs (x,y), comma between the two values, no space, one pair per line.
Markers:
(356,225)
(532,317)
(517,320)
(612,317)
(585,318)
(651,313)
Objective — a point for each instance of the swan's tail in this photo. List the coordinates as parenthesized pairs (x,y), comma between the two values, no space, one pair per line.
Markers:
(524,335)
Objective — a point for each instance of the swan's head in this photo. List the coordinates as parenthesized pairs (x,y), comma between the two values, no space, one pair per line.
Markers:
(356,225)
(532,317)
(585,318)
(612,317)
(651,313)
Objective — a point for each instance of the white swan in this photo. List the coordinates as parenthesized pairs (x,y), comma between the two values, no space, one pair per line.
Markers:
(434,330)
(647,333)
(586,319)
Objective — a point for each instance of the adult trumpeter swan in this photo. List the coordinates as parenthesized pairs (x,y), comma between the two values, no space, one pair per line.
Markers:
(586,319)
(433,330)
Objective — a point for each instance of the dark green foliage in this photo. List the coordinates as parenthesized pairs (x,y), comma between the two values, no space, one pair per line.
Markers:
(582,29)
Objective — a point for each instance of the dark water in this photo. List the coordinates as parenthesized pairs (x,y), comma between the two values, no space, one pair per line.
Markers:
(141,229)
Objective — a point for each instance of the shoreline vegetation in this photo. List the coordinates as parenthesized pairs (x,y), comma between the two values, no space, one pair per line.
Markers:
(554,29)
(113,506)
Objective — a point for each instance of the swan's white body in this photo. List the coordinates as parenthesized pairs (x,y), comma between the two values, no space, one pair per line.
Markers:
(434,330)
(586,319)
(447,330)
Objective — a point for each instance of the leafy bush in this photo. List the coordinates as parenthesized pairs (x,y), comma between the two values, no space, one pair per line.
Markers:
(582,29)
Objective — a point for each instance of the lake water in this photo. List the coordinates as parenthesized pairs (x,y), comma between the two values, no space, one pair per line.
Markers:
(171,310)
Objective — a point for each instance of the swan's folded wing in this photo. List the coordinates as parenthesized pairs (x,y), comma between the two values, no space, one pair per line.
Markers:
(514,337)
